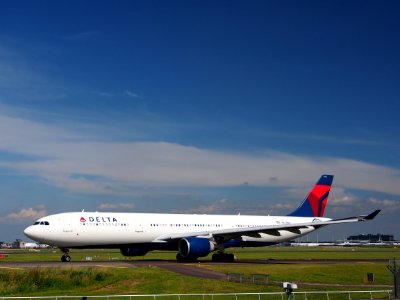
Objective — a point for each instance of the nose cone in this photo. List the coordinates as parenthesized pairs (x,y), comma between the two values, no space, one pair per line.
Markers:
(29,232)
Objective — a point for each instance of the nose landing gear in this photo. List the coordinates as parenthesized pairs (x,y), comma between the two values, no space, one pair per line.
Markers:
(65,257)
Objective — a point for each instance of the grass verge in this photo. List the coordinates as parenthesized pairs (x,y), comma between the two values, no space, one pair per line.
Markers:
(97,281)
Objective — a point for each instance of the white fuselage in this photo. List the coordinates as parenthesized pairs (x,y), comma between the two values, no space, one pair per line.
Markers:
(113,230)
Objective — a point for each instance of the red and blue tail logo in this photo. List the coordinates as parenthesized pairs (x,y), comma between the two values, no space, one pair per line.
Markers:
(315,203)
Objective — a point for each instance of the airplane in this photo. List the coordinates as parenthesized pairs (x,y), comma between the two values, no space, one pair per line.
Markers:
(191,235)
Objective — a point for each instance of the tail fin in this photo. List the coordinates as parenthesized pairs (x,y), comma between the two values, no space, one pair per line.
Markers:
(314,204)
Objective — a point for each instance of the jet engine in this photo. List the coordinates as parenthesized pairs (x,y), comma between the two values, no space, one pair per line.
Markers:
(192,248)
(133,251)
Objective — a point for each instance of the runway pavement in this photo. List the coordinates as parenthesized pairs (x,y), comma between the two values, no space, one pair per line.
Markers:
(172,265)
(161,263)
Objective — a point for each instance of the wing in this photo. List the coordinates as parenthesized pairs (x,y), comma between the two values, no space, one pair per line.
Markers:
(227,234)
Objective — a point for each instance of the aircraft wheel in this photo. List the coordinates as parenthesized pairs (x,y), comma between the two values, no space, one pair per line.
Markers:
(230,257)
(216,257)
(65,258)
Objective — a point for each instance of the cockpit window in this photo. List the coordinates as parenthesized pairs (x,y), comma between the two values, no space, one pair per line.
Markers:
(41,223)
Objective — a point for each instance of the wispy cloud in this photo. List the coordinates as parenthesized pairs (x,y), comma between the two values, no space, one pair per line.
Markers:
(385,204)
(315,138)
(117,206)
(74,162)
(24,79)
(341,201)
(222,206)
(131,94)
(14,72)
(102,94)
(79,183)
(225,206)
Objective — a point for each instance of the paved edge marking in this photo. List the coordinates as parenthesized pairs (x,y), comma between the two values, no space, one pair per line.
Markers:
(114,267)
(10,268)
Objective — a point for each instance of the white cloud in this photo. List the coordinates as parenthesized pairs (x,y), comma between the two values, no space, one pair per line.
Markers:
(342,201)
(288,207)
(117,206)
(339,197)
(222,206)
(25,214)
(78,183)
(385,204)
(74,162)
(313,137)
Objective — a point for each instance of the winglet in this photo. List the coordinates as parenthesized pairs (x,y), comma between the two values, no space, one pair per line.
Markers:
(372,215)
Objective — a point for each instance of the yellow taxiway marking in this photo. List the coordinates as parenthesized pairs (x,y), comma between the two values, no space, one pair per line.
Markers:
(9,268)
(115,267)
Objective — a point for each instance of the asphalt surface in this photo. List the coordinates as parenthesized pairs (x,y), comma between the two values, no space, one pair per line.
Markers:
(170,264)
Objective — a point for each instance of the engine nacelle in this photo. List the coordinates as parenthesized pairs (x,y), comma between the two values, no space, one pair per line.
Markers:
(195,247)
(133,251)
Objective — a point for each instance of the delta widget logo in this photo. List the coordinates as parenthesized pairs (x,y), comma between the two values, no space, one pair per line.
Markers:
(99,220)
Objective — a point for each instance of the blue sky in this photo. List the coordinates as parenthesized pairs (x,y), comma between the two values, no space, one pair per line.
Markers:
(198,106)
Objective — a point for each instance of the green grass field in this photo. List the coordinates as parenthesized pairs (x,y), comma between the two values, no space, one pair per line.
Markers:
(344,274)
(307,253)
(99,281)
(149,280)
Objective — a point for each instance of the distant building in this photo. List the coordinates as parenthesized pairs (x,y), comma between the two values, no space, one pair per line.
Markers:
(5,245)
(371,238)
(18,244)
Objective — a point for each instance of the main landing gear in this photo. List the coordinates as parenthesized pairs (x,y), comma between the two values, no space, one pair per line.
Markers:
(65,257)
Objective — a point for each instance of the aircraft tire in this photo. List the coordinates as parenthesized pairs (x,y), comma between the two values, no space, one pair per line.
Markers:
(179,257)
(230,257)
(65,258)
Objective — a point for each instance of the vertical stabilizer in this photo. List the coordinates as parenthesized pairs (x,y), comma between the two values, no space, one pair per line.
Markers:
(315,203)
